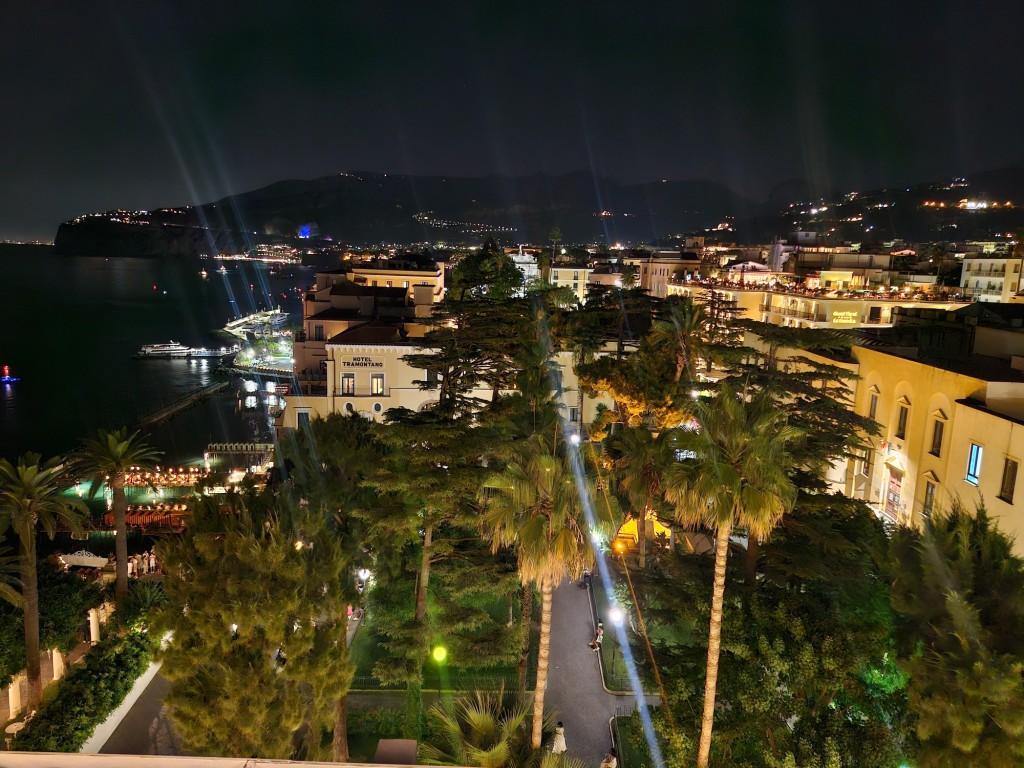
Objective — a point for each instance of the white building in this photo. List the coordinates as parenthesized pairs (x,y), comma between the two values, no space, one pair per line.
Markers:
(991,277)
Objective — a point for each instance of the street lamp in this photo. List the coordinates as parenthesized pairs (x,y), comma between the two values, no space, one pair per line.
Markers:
(439,654)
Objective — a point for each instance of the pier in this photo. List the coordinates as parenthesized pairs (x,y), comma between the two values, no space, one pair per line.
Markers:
(181,404)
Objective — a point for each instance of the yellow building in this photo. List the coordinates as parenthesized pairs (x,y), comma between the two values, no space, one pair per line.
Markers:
(365,374)
(574,276)
(810,309)
(948,431)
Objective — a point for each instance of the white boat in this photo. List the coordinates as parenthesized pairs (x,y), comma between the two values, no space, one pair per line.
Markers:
(170,349)
(219,352)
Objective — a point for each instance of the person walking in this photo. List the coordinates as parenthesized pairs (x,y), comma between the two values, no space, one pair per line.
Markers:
(611,760)
(558,743)
(598,637)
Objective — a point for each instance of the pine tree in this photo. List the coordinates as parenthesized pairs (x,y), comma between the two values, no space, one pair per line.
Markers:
(258,656)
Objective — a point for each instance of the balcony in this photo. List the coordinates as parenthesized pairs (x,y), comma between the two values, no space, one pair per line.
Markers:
(360,392)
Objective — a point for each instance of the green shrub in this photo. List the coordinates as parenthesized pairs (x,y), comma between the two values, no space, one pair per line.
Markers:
(376,722)
(143,600)
(64,602)
(88,695)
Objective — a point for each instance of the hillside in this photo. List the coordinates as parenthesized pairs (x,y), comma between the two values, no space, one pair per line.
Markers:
(363,208)
(366,208)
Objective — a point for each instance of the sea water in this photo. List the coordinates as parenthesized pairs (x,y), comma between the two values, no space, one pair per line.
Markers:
(69,326)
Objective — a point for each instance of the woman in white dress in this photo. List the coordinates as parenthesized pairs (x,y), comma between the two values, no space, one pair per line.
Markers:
(558,743)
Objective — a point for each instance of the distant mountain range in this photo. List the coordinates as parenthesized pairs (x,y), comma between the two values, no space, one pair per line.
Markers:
(363,208)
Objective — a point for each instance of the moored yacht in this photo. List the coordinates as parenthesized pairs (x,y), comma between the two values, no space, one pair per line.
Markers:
(170,349)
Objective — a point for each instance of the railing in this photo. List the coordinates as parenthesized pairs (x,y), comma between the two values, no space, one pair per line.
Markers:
(363,392)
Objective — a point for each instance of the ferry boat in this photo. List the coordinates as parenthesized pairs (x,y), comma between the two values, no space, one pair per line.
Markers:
(171,349)
(175,350)
(6,378)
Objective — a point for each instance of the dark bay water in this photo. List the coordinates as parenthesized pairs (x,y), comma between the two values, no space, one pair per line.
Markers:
(69,326)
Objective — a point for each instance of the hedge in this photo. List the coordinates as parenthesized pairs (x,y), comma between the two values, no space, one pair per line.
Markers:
(64,602)
(88,695)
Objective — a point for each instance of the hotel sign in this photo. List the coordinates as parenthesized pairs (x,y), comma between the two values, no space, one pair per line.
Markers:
(845,317)
(351,361)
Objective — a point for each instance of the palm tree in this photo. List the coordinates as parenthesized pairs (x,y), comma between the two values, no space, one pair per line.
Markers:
(535,507)
(29,498)
(684,332)
(107,458)
(738,478)
(640,459)
(477,730)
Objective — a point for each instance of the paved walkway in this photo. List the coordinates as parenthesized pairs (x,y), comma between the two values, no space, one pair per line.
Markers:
(575,688)
(146,729)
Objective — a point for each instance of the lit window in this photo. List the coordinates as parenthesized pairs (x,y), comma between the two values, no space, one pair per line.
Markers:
(377,384)
(901,422)
(348,383)
(1009,480)
(937,431)
(974,464)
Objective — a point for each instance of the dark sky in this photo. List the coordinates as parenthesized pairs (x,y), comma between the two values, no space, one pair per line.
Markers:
(144,103)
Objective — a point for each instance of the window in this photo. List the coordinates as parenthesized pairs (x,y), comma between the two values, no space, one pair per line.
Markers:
(302,420)
(929,500)
(377,384)
(388,283)
(1009,480)
(937,431)
(866,462)
(348,383)
(901,422)
(574,415)
(318,333)
(873,406)
(974,464)
(432,378)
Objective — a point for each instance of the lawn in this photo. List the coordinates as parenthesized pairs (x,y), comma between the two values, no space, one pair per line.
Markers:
(629,742)
(616,675)
(367,649)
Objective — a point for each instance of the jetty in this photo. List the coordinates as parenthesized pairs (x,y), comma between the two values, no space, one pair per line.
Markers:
(181,404)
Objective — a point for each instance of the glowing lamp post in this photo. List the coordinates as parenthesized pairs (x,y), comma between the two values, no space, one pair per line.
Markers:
(440,655)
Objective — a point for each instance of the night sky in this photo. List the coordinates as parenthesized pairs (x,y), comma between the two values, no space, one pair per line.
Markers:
(142,104)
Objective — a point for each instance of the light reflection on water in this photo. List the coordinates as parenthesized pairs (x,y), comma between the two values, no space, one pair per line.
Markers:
(69,327)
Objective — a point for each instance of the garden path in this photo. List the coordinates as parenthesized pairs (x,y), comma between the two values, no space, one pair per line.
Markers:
(575,688)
